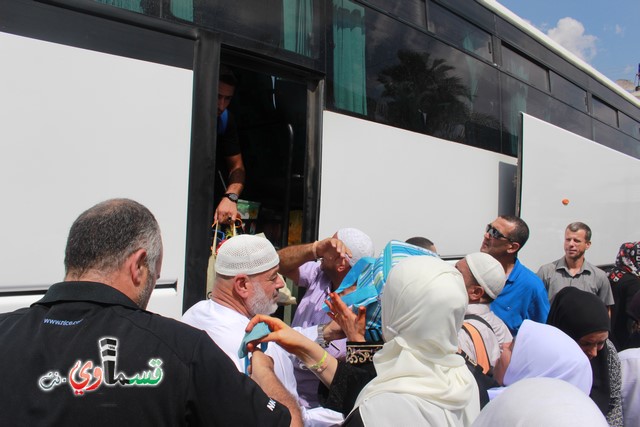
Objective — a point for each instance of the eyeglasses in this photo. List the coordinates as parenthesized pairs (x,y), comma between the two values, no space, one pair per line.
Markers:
(495,234)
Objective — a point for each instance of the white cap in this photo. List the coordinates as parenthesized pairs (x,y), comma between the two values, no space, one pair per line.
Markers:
(246,254)
(358,243)
(488,272)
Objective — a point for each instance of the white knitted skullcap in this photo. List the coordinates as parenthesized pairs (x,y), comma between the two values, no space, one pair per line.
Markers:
(246,254)
(488,272)
(358,243)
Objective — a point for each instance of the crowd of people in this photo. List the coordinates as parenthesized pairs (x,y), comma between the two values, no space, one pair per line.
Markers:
(396,337)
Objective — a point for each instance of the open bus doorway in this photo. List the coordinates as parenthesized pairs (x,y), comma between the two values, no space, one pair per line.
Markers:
(271,117)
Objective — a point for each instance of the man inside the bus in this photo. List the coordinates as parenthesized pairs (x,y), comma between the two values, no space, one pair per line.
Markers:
(231,184)
(574,270)
(89,351)
(524,295)
(320,267)
(247,284)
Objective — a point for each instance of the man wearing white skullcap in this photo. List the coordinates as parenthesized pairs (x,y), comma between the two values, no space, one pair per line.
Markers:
(484,279)
(246,284)
(320,267)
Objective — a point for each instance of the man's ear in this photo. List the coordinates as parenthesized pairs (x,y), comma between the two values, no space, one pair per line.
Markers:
(241,285)
(476,292)
(342,265)
(515,246)
(138,267)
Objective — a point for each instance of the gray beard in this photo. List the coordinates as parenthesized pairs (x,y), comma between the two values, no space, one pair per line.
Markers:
(261,303)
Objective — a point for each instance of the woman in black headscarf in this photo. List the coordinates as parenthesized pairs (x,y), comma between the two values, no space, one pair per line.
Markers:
(584,317)
(625,283)
(634,313)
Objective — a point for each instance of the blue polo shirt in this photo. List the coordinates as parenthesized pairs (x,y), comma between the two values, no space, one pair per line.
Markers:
(523,297)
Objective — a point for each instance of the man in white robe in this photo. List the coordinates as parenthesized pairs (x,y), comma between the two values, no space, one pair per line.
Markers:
(246,284)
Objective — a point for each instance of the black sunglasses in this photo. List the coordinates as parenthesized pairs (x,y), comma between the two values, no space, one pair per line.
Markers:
(495,234)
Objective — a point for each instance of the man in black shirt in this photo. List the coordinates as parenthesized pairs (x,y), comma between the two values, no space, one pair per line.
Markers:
(88,352)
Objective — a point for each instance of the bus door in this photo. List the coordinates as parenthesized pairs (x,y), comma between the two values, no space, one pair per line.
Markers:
(271,110)
(275,127)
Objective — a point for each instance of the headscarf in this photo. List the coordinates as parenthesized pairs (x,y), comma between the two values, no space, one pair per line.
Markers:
(579,313)
(545,351)
(370,276)
(535,402)
(627,261)
(419,375)
(634,312)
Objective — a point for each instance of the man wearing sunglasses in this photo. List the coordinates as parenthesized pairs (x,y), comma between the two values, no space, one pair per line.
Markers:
(524,295)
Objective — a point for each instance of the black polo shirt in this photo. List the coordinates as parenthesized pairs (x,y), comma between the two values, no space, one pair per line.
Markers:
(85,354)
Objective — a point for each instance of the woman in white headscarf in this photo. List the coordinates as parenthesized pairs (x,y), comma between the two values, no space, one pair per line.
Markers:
(420,378)
(542,350)
(535,402)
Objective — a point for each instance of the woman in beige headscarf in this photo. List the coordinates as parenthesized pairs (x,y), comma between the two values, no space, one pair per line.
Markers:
(421,380)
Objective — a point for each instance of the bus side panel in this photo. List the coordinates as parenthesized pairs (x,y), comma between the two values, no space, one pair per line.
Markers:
(600,186)
(78,127)
(395,184)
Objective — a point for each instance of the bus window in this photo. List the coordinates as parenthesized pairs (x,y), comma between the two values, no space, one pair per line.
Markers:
(604,112)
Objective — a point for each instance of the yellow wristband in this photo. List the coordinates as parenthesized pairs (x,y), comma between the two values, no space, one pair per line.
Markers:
(320,366)
(314,249)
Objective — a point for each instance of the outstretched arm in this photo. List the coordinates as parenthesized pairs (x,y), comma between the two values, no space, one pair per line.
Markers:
(227,210)
(292,257)
(316,358)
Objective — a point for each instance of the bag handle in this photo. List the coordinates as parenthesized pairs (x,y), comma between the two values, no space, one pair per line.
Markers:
(216,229)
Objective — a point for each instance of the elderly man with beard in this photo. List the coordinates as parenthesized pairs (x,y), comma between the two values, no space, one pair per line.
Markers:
(246,284)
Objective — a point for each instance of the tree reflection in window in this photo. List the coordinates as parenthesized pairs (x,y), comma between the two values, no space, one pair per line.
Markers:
(422,95)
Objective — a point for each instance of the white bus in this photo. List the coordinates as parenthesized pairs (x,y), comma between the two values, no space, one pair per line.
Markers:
(416,118)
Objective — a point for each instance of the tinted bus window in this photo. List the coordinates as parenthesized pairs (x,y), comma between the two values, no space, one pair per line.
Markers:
(570,119)
(412,11)
(292,25)
(524,68)
(604,112)
(418,83)
(459,32)
(629,126)
(566,91)
(606,135)
(517,98)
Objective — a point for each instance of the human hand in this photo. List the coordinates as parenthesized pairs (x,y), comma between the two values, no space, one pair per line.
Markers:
(332,248)
(261,366)
(353,324)
(282,334)
(226,211)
